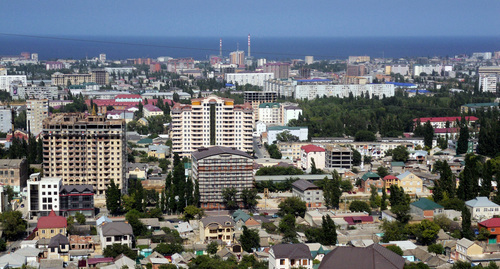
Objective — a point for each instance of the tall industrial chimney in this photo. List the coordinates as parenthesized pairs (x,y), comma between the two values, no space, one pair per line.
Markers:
(248,45)
(220,48)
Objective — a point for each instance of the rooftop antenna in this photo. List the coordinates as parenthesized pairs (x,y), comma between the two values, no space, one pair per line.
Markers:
(248,45)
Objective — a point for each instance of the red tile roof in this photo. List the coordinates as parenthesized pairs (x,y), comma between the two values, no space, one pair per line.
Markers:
(446,130)
(128,96)
(150,107)
(491,223)
(445,119)
(312,148)
(52,221)
(389,177)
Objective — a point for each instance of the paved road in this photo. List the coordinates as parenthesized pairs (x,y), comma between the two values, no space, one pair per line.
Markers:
(260,152)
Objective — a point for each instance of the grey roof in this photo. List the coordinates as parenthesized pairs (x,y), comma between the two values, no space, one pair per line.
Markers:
(207,152)
(78,188)
(465,242)
(12,260)
(58,240)
(221,220)
(481,202)
(303,185)
(116,228)
(150,222)
(374,256)
(291,251)
(51,263)
(11,163)
(28,252)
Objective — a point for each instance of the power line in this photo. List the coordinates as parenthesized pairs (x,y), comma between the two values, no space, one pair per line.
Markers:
(156,45)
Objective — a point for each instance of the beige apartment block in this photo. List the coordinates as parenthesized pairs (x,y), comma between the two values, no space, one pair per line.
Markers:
(14,173)
(211,121)
(84,149)
(36,112)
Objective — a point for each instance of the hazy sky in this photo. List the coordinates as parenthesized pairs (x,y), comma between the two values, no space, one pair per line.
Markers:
(257,17)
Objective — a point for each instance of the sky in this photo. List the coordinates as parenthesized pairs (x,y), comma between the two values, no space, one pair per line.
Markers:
(263,18)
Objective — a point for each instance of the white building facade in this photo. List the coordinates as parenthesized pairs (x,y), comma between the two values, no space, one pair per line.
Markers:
(43,194)
(256,79)
(6,80)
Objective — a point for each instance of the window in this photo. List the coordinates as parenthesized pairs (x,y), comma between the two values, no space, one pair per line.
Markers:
(108,239)
(282,261)
(304,262)
(492,229)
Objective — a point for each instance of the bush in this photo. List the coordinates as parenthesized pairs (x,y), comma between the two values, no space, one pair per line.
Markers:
(436,248)
(395,249)
(359,206)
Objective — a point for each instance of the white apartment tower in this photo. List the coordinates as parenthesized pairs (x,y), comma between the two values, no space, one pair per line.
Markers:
(36,112)
(211,121)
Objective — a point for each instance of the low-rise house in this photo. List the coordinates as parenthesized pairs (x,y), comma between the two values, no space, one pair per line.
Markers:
(217,228)
(151,111)
(286,256)
(32,254)
(121,261)
(115,233)
(358,220)
(185,229)
(371,257)
(50,226)
(313,218)
(308,192)
(59,248)
(310,152)
(12,260)
(466,248)
(481,208)
(77,198)
(493,226)
(369,179)
(426,208)
(411,183)
(158,151)
(152,224)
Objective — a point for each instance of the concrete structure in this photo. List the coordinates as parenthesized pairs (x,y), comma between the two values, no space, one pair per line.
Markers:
(218,168)
(308,192)
(151,111)
(237,58)
(402,69)
(93,158)
(255,98)
(273,131)
(310,152)
(215,228)
(60,79)
(99,76)
(309,60)
(488,83)
(476,107)
(411,183)
(7,80)
(270,113)
(174,65)
(280,70)
(33,92)
(290,112)
(428,69)
(481,208)
(291,150)
(359,59)
(54,65)
(43,195)
(256,79)
(466,248)
(115,233)
(120,70)
(77,198)
(14,173)
(5,119)
(36,112)
(356,70)
(287,256)
(338,157)
(440,122)
(158,151)
(369,179)
(426,208)
(211,121)
(50,226)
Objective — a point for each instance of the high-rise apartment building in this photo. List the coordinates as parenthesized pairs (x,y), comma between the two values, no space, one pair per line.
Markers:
(5,119)
(280,70)
(6,80)
(237,57)
(101,77)
(218,168)
(211,121)
(356,70)
(43,195)
(488,83)
(60,79)
(256,98)
(84,149)
(36,112)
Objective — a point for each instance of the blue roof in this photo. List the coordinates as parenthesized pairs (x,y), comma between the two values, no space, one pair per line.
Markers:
(400,84)
(229,85)
(313,80)
(480,202)
(420,91)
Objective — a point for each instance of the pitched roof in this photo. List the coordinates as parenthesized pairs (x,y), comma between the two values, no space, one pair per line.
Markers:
(444,119)
(491,223)
(480,202)
(207,152)
(222,220)
(291,251)
(426,204)
(150,107)
(369,175)
(116,228)
(303,185)
(390,177)
(52,221)
(403,175)
(312,148)
(78,188)
(374,256)
(58,240)
(465,242)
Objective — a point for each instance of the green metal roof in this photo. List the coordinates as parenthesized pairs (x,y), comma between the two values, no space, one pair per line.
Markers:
(369,175)
(145,141)
(426,204)
(283,128)
(480,104)
(264,105)
(398,164)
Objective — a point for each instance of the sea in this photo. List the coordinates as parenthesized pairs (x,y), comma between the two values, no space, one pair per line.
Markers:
(272,48)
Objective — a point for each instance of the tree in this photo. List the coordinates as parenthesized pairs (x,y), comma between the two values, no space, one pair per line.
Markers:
(329,232)
(13,225)
(80,218)
(286,136)
(346,185)
(249,198)
(192,212)
(436,248)
(117,249)
(364,135)
(395,249)
(400,204)
(331,189)
(400,154)
(212,248)
(249,239)
(483,234)
(113,198)
(393,231)
(274,152)
(359,206)
(292,206)
(229,198)
(315,170)
(469,179)
(428,134)
(374,197)
(287,227)
(445,185)
(443,222)
(169,249)
(133,219)
(426,231)
(419,265)
(382,171)
(383,202)
(461,265)
(356,157)
(463,139)
(466,224)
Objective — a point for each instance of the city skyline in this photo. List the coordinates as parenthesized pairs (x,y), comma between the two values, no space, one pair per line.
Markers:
(260,18)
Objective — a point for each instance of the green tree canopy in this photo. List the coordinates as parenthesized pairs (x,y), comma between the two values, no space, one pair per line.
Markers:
(292,206)
(249,239)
